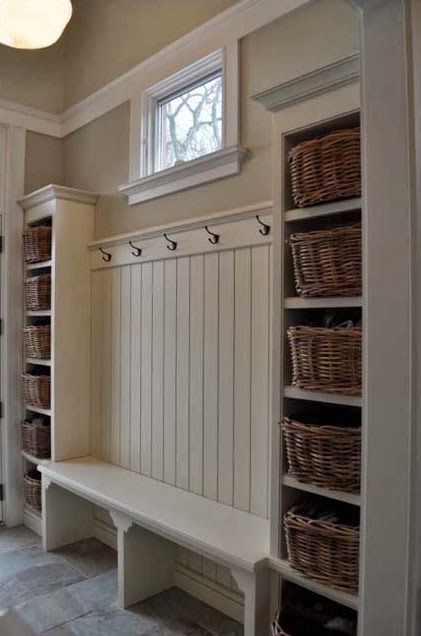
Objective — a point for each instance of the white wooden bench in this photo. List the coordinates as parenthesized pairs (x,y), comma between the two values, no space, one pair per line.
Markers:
(152,518)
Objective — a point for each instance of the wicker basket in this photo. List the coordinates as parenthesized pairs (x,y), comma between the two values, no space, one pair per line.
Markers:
(323,550)
(323,453)
(328,262)
(32,489)
(35,438)
(36,390)
(326,168)
(276,629)
(37,340)
(326,359)
(37,244)
(38,292)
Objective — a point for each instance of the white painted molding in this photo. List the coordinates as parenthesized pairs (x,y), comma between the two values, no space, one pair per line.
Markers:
(41,121)
(51,192)
(327,78)
(121,521)
(32,520)
(214,166)
(46,482)
(225,216)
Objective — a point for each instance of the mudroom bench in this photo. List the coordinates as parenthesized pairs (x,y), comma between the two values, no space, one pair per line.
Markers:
(152,518)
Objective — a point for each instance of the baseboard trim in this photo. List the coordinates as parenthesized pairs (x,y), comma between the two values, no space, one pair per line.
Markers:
(32,520)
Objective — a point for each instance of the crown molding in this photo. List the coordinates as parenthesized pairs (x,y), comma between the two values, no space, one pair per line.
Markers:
(52,192)
(327,78)
(34,119)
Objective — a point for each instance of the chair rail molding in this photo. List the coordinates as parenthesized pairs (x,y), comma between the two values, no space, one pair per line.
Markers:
(327,78)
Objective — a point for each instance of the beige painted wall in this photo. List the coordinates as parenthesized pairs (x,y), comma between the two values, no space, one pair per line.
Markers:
(96,157)
(108,37)
(44,161)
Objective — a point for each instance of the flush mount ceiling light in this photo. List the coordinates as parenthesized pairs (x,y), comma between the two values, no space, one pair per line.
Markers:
(33,24)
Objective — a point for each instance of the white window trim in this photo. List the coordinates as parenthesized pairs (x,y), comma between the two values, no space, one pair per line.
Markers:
(145,184)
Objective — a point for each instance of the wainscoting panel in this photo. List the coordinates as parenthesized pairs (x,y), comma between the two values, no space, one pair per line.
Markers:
(180,373)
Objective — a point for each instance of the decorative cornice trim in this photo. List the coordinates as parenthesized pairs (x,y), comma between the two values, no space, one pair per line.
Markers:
(34,119)
(327,78)
(211,167)
(51,192)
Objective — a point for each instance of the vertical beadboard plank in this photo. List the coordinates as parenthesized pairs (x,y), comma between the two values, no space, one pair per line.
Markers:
(195,562)
(125,368)
(115,365)
(259,380)
(210,365)
(158,372)
(223,576)
(97,371)
(106,365)
(183,371)
(226,378)
(170,358)
(209,569)
(242,379)
(196,374)
(146,372)
(135,363)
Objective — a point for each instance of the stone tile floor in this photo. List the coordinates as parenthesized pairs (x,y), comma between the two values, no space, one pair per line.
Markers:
(72,591)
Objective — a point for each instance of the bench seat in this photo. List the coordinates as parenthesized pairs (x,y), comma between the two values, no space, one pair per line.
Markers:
(151,519)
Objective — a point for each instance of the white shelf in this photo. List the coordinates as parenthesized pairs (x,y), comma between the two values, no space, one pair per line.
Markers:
(42,265)
(36,409)
(294,393)
(34,460)
(294,302)
(286,571)
(42,312)
(346,497)
(44,363)
(326,209)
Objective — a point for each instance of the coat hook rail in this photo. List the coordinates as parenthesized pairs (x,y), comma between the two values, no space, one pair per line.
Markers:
(136,251)
(106,255)
(213,238)
(172,245)
(265,229)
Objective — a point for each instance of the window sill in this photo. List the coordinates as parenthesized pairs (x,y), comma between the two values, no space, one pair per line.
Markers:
(216,165)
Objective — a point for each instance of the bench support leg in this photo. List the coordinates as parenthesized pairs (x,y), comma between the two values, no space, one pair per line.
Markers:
(145,562)
(256,589)
(67,518)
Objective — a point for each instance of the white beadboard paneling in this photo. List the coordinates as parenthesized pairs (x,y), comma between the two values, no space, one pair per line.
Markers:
(146,372)
(170,375)
(210,365)
(135,358)
(183,371)
(97,371)
(260,264)
(242,376)
(226,378)
(106,320)
(158,371)
(125,347)
(115,365)
(196,374)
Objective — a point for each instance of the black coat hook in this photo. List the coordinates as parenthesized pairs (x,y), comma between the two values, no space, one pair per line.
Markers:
(172,244)
(214,238)
(106,255)
(265,229)
(137,251)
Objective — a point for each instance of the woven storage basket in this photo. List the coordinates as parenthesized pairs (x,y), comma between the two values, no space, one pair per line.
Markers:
(37,340)
(328,262)
(276,629)
(35,438)
(323,454)
(326,168)
(37,244)
(322,550)
(36,390)
(326,359)
(32,489)
(38,292)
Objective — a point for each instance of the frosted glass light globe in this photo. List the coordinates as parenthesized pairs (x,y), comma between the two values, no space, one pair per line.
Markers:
(33,24)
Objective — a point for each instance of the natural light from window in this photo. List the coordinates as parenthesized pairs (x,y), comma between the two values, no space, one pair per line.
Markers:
(190,122)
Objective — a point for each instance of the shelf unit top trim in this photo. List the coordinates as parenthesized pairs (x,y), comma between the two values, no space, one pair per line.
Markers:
(225,216)
(52,191)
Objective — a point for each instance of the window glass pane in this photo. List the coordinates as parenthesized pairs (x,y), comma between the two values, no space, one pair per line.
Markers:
(190,123)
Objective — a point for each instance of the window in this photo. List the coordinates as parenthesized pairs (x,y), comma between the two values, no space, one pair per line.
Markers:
(185,127)
(189,122)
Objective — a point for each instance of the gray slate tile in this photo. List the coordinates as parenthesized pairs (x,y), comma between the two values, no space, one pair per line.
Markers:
(90,556)
(51,610)
(97,593)
(17,538)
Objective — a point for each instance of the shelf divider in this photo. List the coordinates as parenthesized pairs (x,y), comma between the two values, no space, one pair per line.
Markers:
(339,495)
(294,393)
(325,209)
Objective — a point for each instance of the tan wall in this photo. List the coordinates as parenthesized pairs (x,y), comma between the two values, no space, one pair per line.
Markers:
(44,161)
(96,157)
